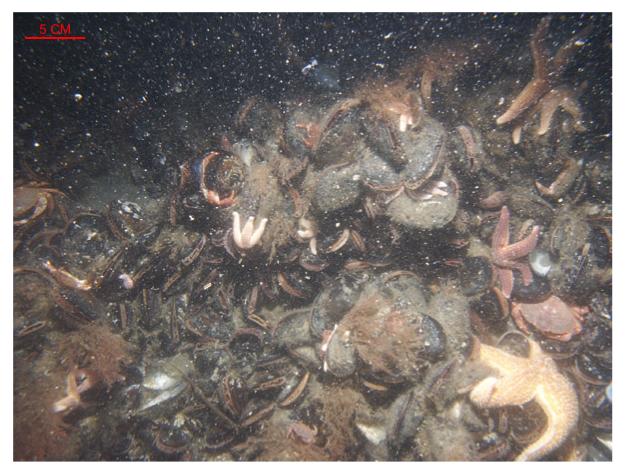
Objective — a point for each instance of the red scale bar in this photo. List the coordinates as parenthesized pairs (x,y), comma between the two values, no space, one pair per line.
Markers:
(56,38)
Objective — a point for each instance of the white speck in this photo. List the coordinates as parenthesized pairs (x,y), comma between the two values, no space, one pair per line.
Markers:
(356,177)
(127,281)
(77,96)
(36,145)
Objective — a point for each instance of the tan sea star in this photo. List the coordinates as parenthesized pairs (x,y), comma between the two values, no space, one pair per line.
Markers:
(505,255)
(541,90)
(521,380)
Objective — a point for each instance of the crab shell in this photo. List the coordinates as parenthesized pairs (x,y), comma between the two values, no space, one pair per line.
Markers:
(552,317)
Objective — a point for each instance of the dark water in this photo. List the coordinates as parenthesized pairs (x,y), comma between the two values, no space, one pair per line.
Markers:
(107,128)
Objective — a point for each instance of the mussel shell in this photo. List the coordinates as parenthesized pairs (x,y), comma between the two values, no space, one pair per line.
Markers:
(312,262)
(337,188)
(341,356)
(538,290)
(405,417)
(218,171)
(341,139)
(492,308)
(172,441)
(597,406)
(151,306)
(594,369)
(601,242)
(126,219)
(576,277)
(599,173)
(601,304)
(435,343)
(425,150)
(334,302)
(246,342)
(297,282)
(294,329)
(77,307)
(423,212)
(378,173)
(88,237)
(493,447)
(597,334)
(475,275)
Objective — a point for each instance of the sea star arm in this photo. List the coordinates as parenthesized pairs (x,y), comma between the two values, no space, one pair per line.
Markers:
(530,94)
(258,233)
(519,249)
(506,280)
(513,389)
(567,49)
(501,235)
(539,84)
(248,230)
(236,228)
(537,46)
(557,398)
(564,97)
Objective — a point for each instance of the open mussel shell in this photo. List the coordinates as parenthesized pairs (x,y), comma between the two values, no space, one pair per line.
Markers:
(164,381)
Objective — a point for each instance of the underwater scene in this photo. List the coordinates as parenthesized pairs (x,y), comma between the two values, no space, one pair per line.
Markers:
(312,237)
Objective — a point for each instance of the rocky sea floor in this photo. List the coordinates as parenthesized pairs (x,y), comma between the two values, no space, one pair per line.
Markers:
(392,247)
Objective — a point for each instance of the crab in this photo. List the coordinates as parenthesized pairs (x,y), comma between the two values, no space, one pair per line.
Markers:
(32,200)
(553,318)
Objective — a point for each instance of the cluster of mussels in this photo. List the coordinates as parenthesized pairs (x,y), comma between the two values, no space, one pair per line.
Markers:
(344,278)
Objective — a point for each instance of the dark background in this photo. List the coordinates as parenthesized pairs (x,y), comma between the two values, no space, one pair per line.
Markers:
(157,88)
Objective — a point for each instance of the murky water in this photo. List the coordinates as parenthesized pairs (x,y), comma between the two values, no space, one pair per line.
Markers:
(313,237)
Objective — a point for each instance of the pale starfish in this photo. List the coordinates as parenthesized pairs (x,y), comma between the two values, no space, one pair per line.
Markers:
(521,380)
(505,255)
(547,71)
(248,236)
